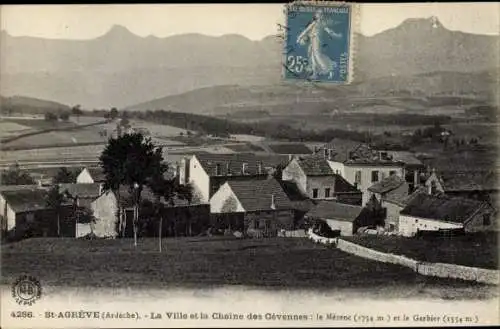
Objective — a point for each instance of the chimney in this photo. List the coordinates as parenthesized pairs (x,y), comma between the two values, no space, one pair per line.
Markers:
(39,182)
(273,205)
(100,189)
(244,168)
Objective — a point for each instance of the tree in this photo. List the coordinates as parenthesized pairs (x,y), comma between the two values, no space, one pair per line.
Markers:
(65,176)
(64,116)
(113,113)
(14,176)
(76,111)
(134,161)
(55,200)
(49,116)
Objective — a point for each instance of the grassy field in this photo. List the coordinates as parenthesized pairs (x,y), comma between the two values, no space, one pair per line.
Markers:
(478,250)
(211,262)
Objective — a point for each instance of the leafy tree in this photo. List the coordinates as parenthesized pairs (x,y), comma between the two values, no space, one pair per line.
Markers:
(134,161)
(14,176)
(113,113)
(76,111)
(64,175)
(55,200)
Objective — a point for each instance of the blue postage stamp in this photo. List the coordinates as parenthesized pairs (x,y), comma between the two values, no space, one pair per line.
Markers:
(317,42)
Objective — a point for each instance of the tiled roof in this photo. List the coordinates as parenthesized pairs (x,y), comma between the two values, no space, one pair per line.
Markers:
(255,195)
(341,148)
(441,207)
(234,162)
(24,200)
(81,190)
(335,210)
(289,148)
(343,186)
(468,180)
(387,184)
(299,200)
(315,166)
(352,152)
(408,158)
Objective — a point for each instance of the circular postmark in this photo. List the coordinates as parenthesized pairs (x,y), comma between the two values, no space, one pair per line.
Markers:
(26,290)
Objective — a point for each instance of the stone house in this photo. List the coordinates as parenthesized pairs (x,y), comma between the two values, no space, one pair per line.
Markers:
(256,207)
(25,213)
(82,193)
(425,212)
(315,178)
(345,218)
(206,172)
(359,164)
(390,193)
(413,167)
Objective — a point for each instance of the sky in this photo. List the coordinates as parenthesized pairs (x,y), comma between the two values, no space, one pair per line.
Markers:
(255,21)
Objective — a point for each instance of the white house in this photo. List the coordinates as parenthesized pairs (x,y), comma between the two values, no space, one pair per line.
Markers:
(206,172)
(426,212)
(359,164)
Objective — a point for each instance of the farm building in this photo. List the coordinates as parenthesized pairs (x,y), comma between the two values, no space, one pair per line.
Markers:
(24,213)
(345,218)
(315,178)
(181,218)
(90,175)
(478,185)
(425,212)
(390,194)
(256,207)
(359,164)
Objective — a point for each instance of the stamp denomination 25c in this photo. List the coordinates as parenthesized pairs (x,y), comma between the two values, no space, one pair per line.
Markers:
(318,39)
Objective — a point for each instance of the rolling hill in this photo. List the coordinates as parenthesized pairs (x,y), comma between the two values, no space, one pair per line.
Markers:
(29,105)
(120,68)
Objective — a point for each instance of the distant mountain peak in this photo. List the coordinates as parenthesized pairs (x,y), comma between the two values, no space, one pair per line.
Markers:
(118,31)
(422,23)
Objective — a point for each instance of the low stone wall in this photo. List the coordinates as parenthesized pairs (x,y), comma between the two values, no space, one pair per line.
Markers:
(364,252)
(441,270)
(292,234)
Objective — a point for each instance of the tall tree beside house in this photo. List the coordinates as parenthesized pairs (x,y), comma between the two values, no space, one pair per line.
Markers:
(55,200)
(15,176)
(134,161)
(64,175)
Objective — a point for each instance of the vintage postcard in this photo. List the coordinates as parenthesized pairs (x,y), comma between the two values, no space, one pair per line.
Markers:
(302,164)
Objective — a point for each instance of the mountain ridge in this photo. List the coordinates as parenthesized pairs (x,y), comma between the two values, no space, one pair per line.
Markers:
(121,68)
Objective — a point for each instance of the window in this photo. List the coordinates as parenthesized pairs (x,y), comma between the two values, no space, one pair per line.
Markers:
(357,177)
(375,176)
(392,172)
(315,193)
(486,219)
(327,192)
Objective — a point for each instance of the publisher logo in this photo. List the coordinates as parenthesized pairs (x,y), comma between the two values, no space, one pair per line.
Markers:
(26,290)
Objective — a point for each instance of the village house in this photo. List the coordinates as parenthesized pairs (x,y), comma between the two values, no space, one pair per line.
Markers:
(206,172)
(90,175)
(390,193)
(25,213)
(82,193)
(359,164)
(300,201)
(425,212)
(478,185)
(180,217)
(346,219)
(414,168)
(315,178)
(256,207)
